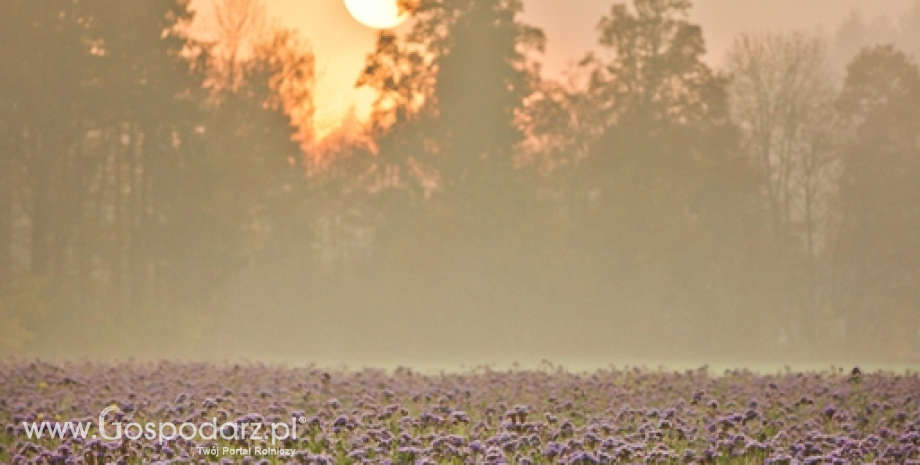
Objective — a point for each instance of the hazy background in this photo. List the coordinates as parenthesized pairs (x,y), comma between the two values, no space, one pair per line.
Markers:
(493,181)
(341,43)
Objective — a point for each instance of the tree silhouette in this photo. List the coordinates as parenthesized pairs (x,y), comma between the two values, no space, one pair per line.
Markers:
(462,74)
(782,98)
(257,110)
(111,177)
(660,187)
(40,107)
(877,251)
(447,133)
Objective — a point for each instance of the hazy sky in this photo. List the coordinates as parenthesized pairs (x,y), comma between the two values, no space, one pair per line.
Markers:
(340,43)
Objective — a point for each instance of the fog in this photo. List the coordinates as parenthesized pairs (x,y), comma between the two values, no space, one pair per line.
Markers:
(164,193)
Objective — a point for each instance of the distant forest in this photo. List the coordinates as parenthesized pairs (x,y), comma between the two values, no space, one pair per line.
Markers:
(161,184)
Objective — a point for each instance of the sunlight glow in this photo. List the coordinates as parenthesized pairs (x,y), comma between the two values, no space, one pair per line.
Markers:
(378,14)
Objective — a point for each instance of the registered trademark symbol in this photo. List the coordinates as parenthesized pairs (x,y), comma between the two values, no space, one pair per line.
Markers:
(302,420)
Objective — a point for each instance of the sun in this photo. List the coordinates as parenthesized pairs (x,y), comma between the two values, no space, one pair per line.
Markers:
(378,14)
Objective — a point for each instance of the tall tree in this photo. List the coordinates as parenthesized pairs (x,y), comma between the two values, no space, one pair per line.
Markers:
(90,105)
(40,123)
(782,97)
(663,187)
(258,117)
(877,250)
(39,106)
(450,93)
(145,111)
(658,105)
(447,134)
(462,72)
(110,160)
(483,76)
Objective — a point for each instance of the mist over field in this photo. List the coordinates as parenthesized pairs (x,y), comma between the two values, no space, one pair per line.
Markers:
(164,193)
(684,246)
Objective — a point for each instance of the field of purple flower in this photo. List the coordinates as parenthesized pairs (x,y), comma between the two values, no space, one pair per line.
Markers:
(479,416)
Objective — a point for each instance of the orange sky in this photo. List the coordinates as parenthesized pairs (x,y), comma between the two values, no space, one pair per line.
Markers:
(341,43)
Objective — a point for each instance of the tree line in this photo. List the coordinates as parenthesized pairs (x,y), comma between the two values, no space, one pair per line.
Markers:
(162,181)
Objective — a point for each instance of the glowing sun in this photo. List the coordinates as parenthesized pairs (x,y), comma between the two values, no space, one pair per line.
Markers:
(378,14)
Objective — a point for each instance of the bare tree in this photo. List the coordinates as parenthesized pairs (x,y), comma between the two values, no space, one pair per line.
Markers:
(782,95)
(235,29)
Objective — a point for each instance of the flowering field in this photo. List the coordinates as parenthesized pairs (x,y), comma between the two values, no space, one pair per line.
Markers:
(308,415)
